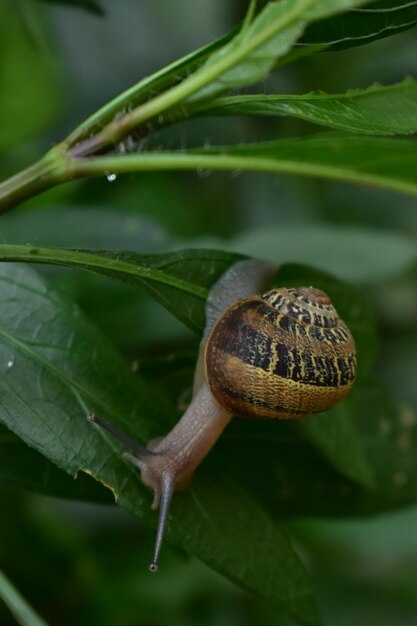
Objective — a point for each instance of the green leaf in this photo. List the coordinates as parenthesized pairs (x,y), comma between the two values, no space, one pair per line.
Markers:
(179,281)
(292,479)
(337,437)
(290,476)
(252,54)
(61,367)
(21,610)
(377,110)
(362,25)
(22,467)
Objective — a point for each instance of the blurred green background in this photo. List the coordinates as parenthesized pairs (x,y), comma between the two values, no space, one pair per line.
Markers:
(76,563)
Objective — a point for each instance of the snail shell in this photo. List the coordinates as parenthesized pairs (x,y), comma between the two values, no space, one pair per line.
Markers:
(285,354)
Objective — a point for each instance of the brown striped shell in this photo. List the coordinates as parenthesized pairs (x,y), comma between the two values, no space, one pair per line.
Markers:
(285,354)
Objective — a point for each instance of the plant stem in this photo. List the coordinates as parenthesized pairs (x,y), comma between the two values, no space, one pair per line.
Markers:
(120,128)
(44,174)
(235,163)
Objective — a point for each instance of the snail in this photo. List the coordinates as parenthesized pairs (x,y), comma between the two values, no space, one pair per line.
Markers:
(282,355)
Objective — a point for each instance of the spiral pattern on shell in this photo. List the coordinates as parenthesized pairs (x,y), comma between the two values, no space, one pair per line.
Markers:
(285,354)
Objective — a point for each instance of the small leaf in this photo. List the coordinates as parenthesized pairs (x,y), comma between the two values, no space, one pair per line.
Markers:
(271,34)
(55,367)
(23,613)
(362,25)
(377,110)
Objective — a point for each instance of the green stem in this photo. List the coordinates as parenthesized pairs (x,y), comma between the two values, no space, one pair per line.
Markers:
(55,167)
(228,162)
(118,129)
(148,87)
(44,174)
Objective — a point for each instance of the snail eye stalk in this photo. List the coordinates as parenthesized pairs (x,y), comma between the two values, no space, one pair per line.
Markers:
(128,441)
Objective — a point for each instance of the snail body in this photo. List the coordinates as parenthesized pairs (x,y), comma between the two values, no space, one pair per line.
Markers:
(282,355)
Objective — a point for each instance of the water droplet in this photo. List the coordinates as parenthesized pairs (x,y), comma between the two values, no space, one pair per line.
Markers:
(400,479)
(110,176)
(10,363)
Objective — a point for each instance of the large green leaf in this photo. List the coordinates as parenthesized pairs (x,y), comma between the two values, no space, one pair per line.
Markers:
(21,467)
(57,367)
(271,460)
(377,110)
(180,280)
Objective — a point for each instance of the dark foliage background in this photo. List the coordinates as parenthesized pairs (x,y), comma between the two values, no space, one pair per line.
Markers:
(81,563)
